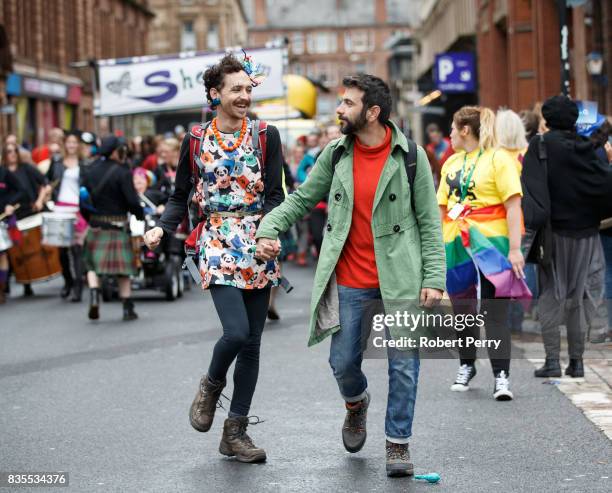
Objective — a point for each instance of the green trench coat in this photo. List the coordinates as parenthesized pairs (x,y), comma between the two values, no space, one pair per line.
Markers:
(408,247)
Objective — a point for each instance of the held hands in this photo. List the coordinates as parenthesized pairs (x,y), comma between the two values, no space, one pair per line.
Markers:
(153,237)
(430,297)
(267,249)
(518,262)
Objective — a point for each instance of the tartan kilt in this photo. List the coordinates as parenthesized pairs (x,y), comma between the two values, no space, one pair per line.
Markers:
(109,251)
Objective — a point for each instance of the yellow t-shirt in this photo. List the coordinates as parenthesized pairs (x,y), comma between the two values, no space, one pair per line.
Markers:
(495,179)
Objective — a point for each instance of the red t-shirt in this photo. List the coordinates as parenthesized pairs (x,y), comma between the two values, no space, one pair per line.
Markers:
(356,267)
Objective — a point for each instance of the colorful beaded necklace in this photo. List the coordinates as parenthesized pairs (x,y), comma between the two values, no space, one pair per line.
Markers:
(222,144)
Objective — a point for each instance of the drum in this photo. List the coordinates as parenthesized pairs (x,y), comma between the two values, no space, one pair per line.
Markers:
(5,238)
(31,260)
(58,228)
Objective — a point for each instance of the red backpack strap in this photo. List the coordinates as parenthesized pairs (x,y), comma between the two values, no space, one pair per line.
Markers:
(196,135)
(196,138)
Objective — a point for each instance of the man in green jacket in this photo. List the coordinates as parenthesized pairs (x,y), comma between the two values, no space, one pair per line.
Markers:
(376,247)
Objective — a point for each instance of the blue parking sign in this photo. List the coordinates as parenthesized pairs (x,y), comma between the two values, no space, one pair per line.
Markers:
(455,72)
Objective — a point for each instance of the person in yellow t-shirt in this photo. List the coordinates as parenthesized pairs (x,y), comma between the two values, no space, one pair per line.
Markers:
(480,204)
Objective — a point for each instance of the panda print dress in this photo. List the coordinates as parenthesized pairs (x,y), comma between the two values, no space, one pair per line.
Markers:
(226,244)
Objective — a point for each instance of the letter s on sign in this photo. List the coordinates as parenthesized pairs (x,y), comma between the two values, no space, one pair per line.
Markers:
(171,88)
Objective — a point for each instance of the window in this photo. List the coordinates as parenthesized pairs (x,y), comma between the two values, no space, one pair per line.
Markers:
(322,42)
(361,68)
(326,73)
(310,71)
(188,37)
(212,36)
(297,43)
(297,68)
(357,41)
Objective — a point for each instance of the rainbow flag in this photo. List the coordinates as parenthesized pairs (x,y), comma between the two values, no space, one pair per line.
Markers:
(478,241)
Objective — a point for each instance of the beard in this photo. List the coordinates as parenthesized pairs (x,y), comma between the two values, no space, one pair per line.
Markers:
(350,127)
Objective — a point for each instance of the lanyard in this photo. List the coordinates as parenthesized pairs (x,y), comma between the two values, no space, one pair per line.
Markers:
(464,185)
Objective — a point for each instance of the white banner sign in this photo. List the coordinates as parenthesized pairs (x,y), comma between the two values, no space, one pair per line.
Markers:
(146,84)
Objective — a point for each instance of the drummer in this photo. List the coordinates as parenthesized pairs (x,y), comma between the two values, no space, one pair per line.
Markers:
(33,186)
(64,177)
(10,195)
(108,248)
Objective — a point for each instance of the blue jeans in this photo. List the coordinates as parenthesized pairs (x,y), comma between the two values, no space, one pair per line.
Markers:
(606,242)
(346,355)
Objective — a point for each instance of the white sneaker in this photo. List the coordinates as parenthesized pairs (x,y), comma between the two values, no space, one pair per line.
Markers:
(502,388)
(462,380)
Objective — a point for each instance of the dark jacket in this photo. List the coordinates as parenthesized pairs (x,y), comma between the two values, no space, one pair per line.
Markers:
(10,192)
(30,180)
(117,196)
(579,184)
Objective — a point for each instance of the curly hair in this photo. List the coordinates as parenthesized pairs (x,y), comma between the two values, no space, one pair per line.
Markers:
(214,75)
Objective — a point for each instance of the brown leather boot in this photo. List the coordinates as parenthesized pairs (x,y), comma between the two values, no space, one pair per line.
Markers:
(354,428)
(398,460)
(204,405)
(2,293)
(236,443)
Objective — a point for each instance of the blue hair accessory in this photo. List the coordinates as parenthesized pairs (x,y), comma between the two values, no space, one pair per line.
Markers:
(255,71)
(215,102)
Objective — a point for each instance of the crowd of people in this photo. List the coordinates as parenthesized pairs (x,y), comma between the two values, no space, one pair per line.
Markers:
(508,207)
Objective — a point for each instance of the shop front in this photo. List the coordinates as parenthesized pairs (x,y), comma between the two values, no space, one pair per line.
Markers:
(40,105)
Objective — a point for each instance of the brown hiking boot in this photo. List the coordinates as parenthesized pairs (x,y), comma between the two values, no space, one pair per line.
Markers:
(354,429)
(203,407)
(398,460)
(236,443)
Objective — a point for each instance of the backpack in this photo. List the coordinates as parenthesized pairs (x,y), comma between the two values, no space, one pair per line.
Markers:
(410,164)
(538,242)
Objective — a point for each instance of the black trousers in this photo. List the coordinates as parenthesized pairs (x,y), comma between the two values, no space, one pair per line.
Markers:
(316,223)
(71,260)
(495,312)
(243,316)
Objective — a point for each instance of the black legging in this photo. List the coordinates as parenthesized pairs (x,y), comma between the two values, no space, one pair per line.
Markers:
(316,222)
(72,264)
(496,327)
(243,316)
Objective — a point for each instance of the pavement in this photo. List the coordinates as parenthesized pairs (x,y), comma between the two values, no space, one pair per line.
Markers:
(108,403)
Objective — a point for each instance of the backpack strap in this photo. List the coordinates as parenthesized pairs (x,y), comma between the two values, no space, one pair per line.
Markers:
(260,143)
(542,153)
(259,133)
(410,163)
(196,139)
(336,155)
